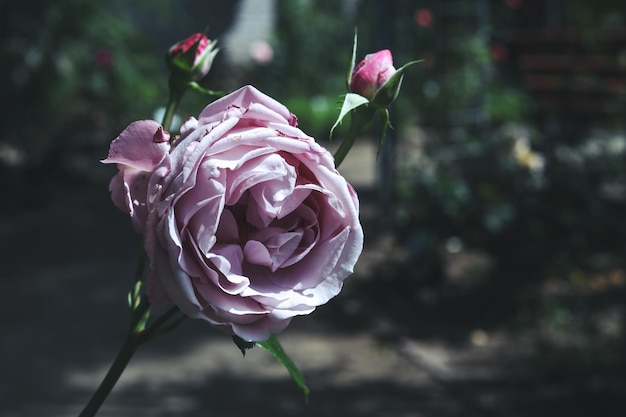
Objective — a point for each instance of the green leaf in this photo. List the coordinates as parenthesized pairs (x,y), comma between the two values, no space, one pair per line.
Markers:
(389,91)
(350,102)
(272,345)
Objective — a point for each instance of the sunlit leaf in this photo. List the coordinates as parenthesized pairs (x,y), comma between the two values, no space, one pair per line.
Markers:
(350,102)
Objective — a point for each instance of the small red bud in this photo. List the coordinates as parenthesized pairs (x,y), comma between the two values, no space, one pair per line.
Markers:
(193,56)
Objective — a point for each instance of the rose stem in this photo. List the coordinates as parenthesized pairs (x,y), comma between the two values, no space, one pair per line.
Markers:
(115,371)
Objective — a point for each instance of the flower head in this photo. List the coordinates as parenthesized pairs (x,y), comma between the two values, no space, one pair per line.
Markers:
(246,221)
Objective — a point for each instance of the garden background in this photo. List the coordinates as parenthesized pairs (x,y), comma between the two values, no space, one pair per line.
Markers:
(493,277)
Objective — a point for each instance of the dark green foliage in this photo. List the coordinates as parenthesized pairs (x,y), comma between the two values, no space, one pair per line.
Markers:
(73,73)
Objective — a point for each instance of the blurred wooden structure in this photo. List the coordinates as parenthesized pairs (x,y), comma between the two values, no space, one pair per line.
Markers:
(571,73)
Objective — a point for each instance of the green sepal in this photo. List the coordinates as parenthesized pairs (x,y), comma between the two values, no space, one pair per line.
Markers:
(140,316)
(242,344)
(352,61)
(384,114)
(350,102)
(389,91)
(162,325)
(272,345)
(134,296)
(139,307)
(197,87)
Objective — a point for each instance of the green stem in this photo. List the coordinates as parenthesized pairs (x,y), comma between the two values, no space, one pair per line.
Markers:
(134,338)
(358,119)
(177,90)
(158,327)
(115,371)
(170,110)
(343,150)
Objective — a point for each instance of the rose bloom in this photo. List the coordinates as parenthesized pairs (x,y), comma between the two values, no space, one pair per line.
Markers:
(246,221)
(372,73)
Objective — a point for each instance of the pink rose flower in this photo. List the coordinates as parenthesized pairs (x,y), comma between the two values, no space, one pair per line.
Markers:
(246,221)
(372,73)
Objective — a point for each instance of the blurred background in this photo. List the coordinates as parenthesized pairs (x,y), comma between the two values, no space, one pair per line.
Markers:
(493,279)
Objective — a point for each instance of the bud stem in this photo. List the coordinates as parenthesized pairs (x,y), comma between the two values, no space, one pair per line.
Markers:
(359,117)
(177,91)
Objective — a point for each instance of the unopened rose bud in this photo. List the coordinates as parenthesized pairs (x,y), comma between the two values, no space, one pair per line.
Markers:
(372,73)
(193,56)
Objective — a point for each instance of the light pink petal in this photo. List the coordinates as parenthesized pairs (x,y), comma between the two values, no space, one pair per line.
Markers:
(120,194)
(174,279)
(155,290)
(228,229)
(260,331)
(244,98)
(137,151)
(137,146)
(256,253)
(188,126)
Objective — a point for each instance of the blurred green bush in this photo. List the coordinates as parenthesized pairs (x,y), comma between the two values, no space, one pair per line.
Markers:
(70,66)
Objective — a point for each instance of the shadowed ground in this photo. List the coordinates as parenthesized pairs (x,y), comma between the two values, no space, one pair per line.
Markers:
(68,259)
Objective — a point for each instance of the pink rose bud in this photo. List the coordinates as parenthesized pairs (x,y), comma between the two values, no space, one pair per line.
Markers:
(193,56)
(246,221)
(372,73)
